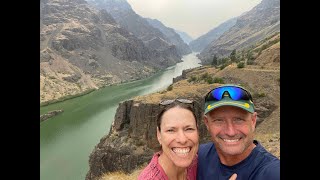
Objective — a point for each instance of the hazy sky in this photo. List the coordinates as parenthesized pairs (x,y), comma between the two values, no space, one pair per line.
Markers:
(195,17)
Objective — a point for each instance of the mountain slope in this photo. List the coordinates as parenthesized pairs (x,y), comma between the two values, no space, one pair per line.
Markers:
(263,20)
(174,38)
(203,41)
(82,49)
(122,12)
(184,36)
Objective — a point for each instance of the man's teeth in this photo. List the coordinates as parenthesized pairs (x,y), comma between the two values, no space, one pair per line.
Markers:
(231,140)
(181,150)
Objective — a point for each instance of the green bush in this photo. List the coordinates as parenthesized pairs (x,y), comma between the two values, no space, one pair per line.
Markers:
(209,80)
(250,62)
(240,65)
(204,76)
(259,95)
(192,78)
(169,88)
(218,80)
(223,66)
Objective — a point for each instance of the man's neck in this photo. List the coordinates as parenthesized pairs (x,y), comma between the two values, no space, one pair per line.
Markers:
(230,160)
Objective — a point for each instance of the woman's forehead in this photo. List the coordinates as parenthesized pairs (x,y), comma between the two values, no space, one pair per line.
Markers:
(178,116)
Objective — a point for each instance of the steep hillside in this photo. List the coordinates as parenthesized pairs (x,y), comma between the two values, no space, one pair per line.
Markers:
(129,145)
(203,41)
(82,49)
(262,21)
(137,25)
(184,36)
(174,38)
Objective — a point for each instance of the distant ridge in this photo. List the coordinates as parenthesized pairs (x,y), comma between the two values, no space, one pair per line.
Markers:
(260,22)
(185,37)
(203,41)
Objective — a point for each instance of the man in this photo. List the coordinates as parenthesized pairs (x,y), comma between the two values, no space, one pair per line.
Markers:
(230,118)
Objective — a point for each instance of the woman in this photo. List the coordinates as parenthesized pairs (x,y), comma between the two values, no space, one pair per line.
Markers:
(177,133)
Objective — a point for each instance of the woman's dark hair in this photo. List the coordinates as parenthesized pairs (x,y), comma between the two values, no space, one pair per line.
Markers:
(172,105)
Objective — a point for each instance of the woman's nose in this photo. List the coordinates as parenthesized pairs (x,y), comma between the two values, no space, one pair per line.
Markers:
(181,137)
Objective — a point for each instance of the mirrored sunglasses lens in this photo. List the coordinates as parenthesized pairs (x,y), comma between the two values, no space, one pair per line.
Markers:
(166,102)
(235,93)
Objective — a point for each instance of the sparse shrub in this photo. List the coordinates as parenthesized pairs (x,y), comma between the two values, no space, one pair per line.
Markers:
(218,80)
(223,60)
(169,88)
(209,80)
(250,62)
(223,66)
(233,55)
(214,60)
(240,65)
(259,95)
(204,76)
(192,78)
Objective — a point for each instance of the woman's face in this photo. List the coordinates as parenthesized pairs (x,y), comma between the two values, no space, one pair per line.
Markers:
(178,136)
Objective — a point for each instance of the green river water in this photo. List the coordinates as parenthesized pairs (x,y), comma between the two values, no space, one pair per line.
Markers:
(67,139)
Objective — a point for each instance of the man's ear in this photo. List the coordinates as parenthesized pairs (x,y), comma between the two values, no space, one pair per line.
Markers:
(254,120)
(205,120)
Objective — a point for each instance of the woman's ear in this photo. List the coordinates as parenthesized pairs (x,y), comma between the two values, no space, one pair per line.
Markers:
(158,135)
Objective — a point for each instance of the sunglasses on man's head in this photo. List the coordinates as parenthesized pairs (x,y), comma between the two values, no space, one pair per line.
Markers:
(170,101)
(235,93)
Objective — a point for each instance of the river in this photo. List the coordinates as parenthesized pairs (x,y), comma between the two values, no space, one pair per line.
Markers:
(67,139)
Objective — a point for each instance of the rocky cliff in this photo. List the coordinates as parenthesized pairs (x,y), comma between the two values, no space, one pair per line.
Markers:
(251,27)
(82,48)
(173,37)
(132,141)
(128,19)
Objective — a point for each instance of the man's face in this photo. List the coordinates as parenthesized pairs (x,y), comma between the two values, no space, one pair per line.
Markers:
(178,136)
(231,129)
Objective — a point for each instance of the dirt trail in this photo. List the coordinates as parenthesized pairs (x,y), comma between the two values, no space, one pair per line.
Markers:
(259,69)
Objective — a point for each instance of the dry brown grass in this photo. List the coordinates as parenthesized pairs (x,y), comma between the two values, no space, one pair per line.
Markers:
(180,89)
(122,175)
(270,141)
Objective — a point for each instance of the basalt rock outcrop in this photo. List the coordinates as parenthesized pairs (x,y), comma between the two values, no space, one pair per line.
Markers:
(50,114)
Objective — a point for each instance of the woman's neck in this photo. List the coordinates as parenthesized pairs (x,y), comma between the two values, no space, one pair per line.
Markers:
(172,171)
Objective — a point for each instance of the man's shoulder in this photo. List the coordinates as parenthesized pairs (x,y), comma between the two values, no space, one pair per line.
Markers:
(269,165)
(271,170)
(267,156)
(205,148)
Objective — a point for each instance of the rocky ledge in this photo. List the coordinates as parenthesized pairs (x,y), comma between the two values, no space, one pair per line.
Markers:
(50,114)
